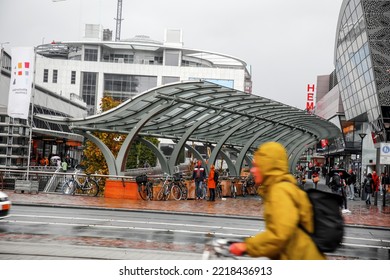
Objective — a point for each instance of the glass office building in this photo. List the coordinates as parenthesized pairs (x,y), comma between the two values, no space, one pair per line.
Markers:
(362,64)
(356,95)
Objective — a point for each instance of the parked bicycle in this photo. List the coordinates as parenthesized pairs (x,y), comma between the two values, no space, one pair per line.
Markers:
(218,190)
(233,188)
(179,181)
(248,186)
(145,187)
(73,186)
(169,189)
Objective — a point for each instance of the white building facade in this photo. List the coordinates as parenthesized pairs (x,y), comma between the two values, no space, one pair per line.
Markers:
(95,68)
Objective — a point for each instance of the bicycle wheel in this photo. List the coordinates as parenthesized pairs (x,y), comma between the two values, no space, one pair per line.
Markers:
(233,190)
(218,192)
(69,187)
(244,190)
(176,192)
(142,191)
(91,188)
(204,192)
(160,195)
(149,190)
(184,192)
(252,190)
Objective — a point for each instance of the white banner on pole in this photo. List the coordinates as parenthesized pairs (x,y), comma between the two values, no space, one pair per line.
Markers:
(22,77)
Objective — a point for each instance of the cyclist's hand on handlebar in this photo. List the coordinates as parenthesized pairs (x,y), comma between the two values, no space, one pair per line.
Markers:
(238,248)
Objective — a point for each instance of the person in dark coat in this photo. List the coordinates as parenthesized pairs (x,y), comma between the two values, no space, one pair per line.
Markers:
(199,176)
(368,187)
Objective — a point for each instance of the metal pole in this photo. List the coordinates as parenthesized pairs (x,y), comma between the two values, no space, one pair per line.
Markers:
(31,116)
(1,58)
(362,192)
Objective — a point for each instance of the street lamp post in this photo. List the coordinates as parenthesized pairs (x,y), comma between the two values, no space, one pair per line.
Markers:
(362,135)
(1,57)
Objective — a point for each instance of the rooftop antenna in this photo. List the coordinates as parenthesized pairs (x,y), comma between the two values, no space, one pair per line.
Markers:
(118,21)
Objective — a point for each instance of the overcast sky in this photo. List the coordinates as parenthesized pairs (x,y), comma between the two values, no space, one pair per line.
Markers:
(286,43)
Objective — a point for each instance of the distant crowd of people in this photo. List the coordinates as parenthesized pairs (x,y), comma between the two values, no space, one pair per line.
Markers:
(65,163)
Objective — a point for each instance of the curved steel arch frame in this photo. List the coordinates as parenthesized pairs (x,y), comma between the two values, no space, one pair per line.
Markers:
(179,145)
(157,152)
(248,145)
(123,152)
(110,159)
(298,148)
(222,141)
(161,112)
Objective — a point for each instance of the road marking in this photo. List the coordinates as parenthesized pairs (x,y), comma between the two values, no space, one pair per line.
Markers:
(126,227)
(137,222)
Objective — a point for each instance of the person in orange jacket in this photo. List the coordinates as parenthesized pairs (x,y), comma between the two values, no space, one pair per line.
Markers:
(376,180)
(211,183)
(286,207)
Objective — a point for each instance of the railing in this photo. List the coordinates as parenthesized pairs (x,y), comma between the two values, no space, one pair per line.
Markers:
(53,182)
(48,181)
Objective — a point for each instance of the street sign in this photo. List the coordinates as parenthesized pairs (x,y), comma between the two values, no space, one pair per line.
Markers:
(384,157)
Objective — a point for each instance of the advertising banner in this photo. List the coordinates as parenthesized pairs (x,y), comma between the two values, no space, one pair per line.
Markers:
(22,76)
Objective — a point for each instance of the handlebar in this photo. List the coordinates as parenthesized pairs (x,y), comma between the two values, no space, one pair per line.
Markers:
(218,248)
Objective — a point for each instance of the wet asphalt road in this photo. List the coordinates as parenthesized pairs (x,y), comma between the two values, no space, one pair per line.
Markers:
(33,232)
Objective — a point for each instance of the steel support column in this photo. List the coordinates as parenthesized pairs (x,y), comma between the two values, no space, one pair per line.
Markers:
(157,152)
(244,150)
(109,157)
(179,145)
(122,154)
(222,141)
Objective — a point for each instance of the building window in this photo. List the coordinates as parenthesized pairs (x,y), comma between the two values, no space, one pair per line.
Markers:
(122,87)
(90,55)
(45,75)
(89,90)
(169,80)
(73,78)
(55,75)
(172,58)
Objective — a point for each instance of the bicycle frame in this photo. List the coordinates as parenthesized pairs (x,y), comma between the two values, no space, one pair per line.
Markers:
(145,190)
(166,189)
(89,186)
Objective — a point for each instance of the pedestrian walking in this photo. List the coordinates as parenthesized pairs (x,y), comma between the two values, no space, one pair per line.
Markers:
(385,183)
(338,186)
(351,181)
(376,181)
(211,183)
(368,187)
(64,165)
(316,178)
(199,176)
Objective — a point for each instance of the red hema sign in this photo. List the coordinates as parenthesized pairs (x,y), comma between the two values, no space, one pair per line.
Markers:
(310,98)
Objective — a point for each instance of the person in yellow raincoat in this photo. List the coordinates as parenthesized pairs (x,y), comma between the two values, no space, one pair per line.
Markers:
(285,207)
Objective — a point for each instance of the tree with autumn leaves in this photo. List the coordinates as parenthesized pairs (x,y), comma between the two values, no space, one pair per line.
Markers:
(139,154)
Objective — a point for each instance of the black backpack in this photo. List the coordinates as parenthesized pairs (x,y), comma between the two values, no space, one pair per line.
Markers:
(335,183)
(141,179)
(328,221)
